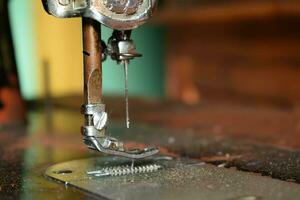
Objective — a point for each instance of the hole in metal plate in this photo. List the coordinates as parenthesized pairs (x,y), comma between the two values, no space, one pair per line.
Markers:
(63,171)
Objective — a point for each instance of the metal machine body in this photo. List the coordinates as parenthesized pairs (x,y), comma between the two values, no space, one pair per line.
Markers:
(115,14)
(122,16)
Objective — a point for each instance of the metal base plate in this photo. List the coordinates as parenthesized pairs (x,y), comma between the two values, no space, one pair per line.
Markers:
(177,180)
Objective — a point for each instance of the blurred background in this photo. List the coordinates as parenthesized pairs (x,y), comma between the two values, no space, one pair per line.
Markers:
(39,38)
(191,50)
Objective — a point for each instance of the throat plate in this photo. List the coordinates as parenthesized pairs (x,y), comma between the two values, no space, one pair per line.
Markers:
(176,180)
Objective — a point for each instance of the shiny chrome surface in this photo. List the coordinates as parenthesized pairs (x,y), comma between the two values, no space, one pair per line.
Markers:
(127,7)
(124,15)
(96,138)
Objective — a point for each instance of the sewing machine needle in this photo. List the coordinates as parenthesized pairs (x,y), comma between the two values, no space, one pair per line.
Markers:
(126,62)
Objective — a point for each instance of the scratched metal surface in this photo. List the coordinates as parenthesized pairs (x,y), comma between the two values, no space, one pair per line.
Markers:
(26,152)
(177,180)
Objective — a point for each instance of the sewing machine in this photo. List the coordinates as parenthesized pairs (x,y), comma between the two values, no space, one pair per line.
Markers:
(122,16)
(218,42)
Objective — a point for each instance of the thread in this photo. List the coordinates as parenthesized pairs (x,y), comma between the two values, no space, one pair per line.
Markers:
(125,170)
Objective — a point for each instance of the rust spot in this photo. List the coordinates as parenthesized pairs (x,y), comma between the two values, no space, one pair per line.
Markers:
(94,86)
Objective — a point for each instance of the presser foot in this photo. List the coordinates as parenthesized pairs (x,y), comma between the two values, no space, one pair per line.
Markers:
(94,135)
(112,146)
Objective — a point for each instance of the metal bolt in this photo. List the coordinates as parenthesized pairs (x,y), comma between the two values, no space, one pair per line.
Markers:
(100,120)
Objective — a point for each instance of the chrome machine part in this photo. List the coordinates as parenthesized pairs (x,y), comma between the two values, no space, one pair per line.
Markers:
(112,146)
(122,49)
(99,120)
(115,14)
(95,137)
(122,16)
(96,120)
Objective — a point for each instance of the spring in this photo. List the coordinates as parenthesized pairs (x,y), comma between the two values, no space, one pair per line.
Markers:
(125,170)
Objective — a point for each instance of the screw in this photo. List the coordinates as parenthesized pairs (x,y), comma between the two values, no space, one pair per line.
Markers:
(100,120)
